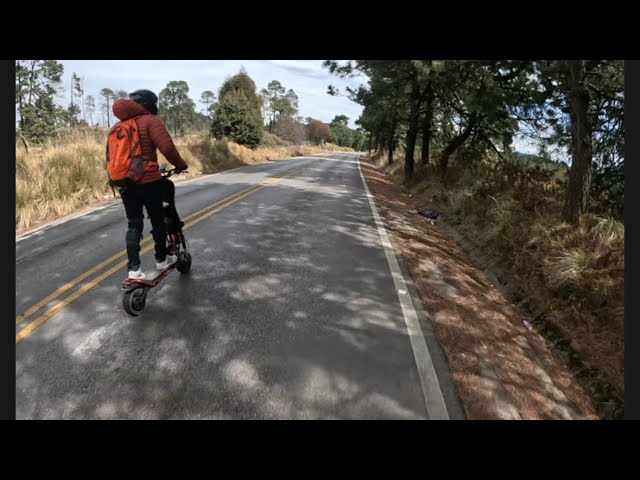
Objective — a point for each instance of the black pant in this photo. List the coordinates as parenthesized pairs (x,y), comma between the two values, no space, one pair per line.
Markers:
(174,224)
(149,196)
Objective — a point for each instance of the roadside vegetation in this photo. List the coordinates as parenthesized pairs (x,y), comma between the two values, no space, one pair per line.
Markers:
(552,218)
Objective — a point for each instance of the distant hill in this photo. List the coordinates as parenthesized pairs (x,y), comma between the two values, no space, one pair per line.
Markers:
(529,160)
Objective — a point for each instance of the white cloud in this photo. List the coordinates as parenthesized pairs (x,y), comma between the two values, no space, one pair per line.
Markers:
(306,77)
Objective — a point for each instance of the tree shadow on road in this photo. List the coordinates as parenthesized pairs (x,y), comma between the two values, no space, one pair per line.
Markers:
(289,312)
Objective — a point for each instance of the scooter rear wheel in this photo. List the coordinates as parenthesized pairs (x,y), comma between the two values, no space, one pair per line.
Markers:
(134,301)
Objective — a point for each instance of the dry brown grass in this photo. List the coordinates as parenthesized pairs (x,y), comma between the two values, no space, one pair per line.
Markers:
(58,179)
(575,276)
(475,323)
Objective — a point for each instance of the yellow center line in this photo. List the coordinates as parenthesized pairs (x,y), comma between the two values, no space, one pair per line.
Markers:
(33,309)
(64,288)
(88,286)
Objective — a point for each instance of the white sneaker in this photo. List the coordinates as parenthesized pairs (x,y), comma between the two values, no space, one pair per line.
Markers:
(138,274)
(170,260)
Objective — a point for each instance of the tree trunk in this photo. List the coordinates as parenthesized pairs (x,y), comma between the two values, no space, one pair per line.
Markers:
(577,197)
(31,80)
(390,141)
(108,114)
(412,133)
(453,145)
(84,117)
(72,95)
(26,125)
(24,142)
(426,128)
(20,109)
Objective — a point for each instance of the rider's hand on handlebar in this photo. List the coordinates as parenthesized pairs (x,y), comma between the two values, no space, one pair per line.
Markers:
(180,170)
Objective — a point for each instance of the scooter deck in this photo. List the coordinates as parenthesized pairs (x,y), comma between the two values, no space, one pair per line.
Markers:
(151,282)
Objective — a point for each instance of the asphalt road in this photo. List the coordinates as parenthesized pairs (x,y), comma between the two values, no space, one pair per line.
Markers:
(290,311)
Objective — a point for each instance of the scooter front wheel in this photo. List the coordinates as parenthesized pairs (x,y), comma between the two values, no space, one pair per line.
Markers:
(134,301)
(184,262)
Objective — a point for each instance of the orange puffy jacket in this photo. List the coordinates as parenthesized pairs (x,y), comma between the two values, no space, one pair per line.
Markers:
(153,135)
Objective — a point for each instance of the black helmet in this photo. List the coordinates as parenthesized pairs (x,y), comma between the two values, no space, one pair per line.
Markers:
(147,99)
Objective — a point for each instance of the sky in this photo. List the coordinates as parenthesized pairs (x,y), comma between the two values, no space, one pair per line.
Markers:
(306,77)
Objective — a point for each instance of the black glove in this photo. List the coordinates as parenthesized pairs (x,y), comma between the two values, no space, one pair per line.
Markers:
(181,169)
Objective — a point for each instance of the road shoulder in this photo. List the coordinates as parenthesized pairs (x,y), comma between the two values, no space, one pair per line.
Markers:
(501,369)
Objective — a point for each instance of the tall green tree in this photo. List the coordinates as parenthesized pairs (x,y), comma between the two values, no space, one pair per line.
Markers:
(237,119)
(359,140)
(577,196)
(176,107)
(209,100)
(427,114)
(77,92)
(341,134)
(585,109)
(241,82)
(72,115)
(381,119)
(37,83)
(90,107)
(288,105)
(278,102)
(238,113)
(476,100)
(71,105)
(270,95)
(340,120)
(403,81)
(107,99)
(465,110)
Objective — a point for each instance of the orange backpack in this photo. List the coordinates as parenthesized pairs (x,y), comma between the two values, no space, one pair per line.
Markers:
(124,154)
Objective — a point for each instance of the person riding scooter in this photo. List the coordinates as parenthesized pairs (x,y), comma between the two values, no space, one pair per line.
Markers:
(149,191)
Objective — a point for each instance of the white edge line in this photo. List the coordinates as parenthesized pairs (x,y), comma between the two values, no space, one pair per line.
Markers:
(436,406)
(65,219)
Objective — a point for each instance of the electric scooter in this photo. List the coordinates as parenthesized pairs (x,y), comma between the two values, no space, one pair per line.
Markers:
(136,289)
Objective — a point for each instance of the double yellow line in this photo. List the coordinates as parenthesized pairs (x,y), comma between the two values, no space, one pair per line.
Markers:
(190,221)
